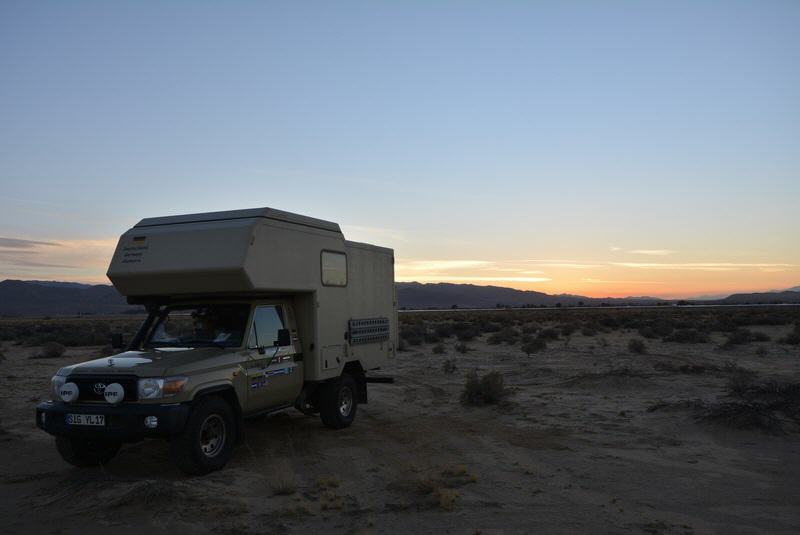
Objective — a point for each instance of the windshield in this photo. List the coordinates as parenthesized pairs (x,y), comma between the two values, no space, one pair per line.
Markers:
(199,325)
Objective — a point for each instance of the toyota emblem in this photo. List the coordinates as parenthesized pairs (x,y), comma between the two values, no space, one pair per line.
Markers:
(99,388)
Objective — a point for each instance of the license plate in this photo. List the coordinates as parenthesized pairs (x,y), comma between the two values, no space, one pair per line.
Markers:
(85,419)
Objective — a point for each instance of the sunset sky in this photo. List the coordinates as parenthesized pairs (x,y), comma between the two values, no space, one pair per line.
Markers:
(600,148)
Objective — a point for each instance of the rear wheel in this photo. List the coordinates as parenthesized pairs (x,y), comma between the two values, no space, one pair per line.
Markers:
(338,401)
(84,452)
(206,442)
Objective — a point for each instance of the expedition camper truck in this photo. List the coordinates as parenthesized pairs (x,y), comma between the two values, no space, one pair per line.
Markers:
(249,311)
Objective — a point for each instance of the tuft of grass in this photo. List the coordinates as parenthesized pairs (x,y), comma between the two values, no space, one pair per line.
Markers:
(281,477)
(485,390)
(328,482)
(637,345)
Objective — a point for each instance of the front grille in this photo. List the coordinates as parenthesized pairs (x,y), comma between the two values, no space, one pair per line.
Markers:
(86,386)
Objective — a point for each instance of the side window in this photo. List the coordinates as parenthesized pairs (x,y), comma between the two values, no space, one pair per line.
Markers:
(267,321)
(334,268)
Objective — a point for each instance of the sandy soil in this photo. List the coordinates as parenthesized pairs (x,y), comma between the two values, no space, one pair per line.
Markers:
(591,439)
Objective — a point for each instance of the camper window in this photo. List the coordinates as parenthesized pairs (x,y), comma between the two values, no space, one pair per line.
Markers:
(267,321)
(334,268)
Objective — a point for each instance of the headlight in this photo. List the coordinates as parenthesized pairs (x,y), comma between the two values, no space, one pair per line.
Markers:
(55,383)
(157,387)
(150,388)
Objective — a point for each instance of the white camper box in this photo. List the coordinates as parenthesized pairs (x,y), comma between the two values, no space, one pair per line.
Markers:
(341,291)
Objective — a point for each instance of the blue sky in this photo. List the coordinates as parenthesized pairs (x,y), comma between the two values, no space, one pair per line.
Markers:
(497,133)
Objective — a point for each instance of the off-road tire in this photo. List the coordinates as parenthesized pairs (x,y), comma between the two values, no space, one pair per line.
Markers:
(192,448)
(83,452)
(334,397)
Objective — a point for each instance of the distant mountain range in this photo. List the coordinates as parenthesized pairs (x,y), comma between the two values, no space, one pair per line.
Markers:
(52,298)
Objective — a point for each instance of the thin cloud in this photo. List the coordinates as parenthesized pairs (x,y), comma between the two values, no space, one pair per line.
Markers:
(466,278)
(699,266)
(441,265)
(19,243)
(600,281)
(652,252)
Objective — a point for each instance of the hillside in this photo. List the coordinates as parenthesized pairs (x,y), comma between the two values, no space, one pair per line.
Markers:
(29,298)
(445,295)
(49,298)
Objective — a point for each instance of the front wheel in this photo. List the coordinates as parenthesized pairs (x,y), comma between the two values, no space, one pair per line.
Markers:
(338,402)
(206,442)
(83,452)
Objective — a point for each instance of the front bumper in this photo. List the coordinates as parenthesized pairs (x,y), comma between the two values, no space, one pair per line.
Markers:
(123,422)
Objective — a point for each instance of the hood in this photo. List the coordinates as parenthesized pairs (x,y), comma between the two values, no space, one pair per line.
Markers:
(149,363)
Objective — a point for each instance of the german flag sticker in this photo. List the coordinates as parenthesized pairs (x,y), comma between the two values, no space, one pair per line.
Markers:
(139,239)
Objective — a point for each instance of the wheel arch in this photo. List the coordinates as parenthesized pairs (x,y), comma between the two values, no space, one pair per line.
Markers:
(228,393)
(354,369)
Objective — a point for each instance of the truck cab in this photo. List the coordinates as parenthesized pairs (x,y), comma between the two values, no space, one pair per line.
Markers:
(213,351)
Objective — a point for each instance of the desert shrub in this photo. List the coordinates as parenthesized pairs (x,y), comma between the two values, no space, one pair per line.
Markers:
(647,332)
(589,330)
(462,348)
(413,340)
(449,366)
(465,335)
(444,330)
(793,338)
(687,336)
(773,406)
(535,345)
(743,336)
(281,477)
(530,328)
(548,334)
(508,335)
(439,349)
(52,350)
(491,327)
(567,329)
(478,390)
(431,337)
(636,345)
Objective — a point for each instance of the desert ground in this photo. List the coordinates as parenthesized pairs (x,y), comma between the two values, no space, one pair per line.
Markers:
(692,428)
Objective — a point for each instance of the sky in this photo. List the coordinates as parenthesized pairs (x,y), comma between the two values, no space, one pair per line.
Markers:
(599,148)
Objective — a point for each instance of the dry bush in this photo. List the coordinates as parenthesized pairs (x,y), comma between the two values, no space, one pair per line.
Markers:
(439,349)
(463,348)
(687,336)
(742,336)
(793,338)
(449,366)
(548,334)
(328,482)
(534,346)
(637,345)
(485,390)
(51,350)
(281,477)
(329,500)
(446,499)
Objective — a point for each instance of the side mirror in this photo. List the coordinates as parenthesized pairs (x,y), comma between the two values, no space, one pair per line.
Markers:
(117,342)
(284,337)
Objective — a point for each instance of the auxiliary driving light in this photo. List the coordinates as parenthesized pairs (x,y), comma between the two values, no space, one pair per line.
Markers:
(151,422)
(43,417)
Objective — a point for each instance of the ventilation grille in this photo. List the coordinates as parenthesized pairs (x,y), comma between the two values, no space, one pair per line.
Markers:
(368,331)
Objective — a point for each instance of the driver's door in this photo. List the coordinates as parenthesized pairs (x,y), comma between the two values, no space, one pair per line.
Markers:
(274,378)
